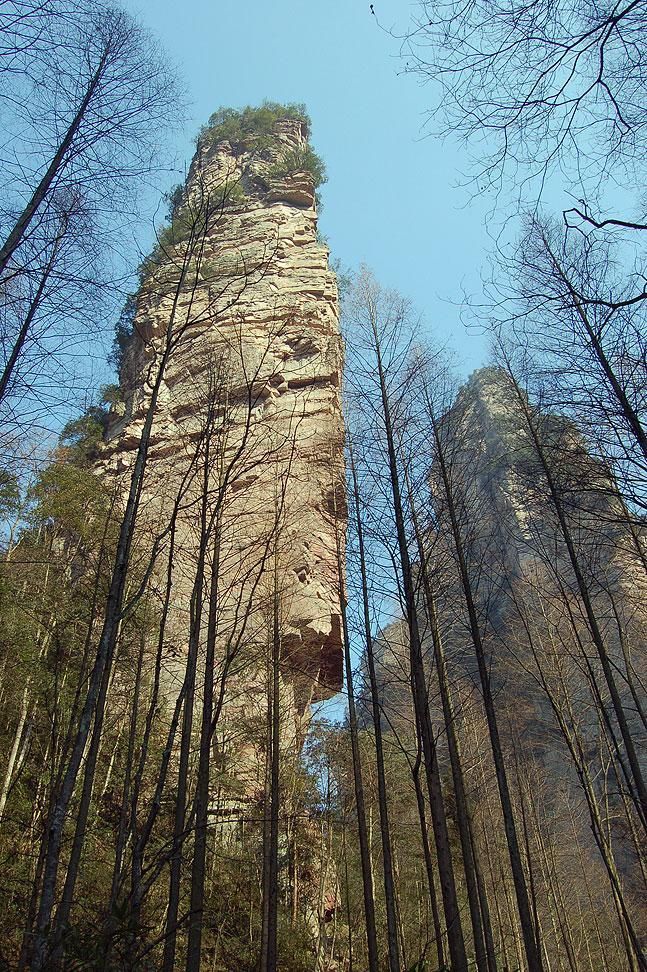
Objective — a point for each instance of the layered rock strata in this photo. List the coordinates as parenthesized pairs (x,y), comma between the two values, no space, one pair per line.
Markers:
(246,453)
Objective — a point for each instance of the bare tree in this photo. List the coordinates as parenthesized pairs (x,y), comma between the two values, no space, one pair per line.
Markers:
(385,829)
(102,103)
(538,78)
(86,98)
(564,305)
(360,805)
(552,474)
(379,343)
(479,910)
(453,503)
(555,664)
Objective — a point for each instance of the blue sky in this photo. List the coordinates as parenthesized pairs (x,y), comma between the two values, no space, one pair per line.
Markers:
(392,199)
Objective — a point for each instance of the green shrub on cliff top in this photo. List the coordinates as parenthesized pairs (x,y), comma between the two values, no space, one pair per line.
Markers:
(236,124)
(300,160)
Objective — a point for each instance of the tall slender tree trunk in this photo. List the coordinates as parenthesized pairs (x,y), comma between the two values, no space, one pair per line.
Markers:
(137,889)
(426,849)
(22,224)
(455,939)
(179,823)
(387,856)
(65,906)
(15,747)
(123,829)
(485,959)
(360,804)
(23,333)
(531,945)
(198,870)
(140,838)
(269,945)
(103,659)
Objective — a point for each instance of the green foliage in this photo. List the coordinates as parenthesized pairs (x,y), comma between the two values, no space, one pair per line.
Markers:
(70,497)
(344,277)
(52,592)
(186,224)
(84,435)
(46,596)
(237,124)
(188,227)
(169,236)
(123,332)
(111,395)
(174,199)
(9,494)
(300,160)
(230,194)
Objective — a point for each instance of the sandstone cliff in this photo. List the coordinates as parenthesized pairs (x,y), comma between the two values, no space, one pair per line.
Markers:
(246,456)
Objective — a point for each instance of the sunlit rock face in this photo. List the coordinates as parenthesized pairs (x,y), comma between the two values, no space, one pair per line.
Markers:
(249,415)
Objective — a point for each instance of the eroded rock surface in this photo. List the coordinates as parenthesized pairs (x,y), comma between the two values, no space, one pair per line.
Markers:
(249,415)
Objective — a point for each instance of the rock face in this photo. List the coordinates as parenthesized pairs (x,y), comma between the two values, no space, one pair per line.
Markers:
(533,626)
(246,453)
(512,536)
